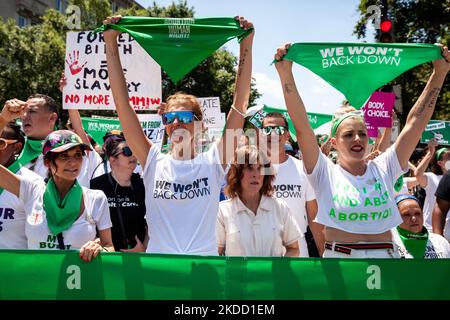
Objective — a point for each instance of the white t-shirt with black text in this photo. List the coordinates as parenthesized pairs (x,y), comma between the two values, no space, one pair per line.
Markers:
(358,204)
(182,199)
(84,229)
(13,215)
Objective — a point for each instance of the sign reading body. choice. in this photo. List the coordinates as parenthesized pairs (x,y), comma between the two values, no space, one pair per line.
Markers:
(86,71)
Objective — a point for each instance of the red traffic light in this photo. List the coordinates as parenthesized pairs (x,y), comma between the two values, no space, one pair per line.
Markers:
(386,25)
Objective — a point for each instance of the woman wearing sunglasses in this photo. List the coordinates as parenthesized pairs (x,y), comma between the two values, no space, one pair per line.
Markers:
(356,199)
(182,188)
(61,214)
(252,222)
(12,211)
(126,195)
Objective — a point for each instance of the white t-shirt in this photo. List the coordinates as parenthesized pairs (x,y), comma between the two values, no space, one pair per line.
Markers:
(437,246)
(182,199)
(358,204)
(291,185)
(90,168)
(242,233)
(13,215)
(430,199)
(95,217)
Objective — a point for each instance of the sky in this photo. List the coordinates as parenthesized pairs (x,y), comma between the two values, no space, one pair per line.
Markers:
(281,21)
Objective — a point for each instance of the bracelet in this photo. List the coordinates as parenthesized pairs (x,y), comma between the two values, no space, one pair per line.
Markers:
(238,111)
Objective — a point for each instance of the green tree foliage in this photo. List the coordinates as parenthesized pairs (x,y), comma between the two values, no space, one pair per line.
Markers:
(424,21)
(32,58)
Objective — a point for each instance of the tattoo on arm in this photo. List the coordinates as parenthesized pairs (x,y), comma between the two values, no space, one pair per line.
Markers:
(428,102)
(242,61)
(289,87)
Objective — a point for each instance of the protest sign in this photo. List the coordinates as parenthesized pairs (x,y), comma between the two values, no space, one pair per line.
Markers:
(378,110)
(439,130)
(87,74)
(212,117)
(150,123)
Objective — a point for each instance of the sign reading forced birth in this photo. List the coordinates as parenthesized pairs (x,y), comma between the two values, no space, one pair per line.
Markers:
(439,130)
(87,73)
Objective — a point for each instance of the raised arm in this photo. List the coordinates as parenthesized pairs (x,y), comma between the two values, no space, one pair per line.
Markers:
(11,111)
(419,172)
(439,215)
(422,111)
(235,118)
(136,138)
(305,134)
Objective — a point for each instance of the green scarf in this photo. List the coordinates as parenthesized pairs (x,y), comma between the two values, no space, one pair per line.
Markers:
(31,150)
(358,69)
(61,214)
(415,243)
(179,45)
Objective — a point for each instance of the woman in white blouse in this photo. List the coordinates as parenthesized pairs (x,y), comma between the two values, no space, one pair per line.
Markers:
(252,222)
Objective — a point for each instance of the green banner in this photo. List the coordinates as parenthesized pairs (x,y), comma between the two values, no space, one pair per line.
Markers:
(97,127)
(39,274)
(179,44)
(358,69)
(315,119)
(439,130)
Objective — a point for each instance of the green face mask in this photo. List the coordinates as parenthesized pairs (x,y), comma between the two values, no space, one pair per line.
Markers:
(179,45)
(358,69)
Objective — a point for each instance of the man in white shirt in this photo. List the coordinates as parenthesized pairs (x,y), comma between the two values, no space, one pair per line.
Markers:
(291,183)
(38,121)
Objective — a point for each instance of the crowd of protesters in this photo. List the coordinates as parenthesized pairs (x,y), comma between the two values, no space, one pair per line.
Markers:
(342,197)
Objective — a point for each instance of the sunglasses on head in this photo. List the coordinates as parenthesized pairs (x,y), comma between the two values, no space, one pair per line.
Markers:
(5,142)
(278,130)
(182,116)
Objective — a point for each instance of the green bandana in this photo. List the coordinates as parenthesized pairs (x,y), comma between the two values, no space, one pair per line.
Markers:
(398,184)
(31,150)
(415,243)
(358,69)
(440,152)
(179,45)
(339,120)
(61,214)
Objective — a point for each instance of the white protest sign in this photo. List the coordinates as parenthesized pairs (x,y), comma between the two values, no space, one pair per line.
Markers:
(87,74)
(212,117)
(152,126)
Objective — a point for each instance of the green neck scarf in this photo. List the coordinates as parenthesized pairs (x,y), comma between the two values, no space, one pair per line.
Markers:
(31,150)
(358,69)
(179,45)
(61,213)
(415,243)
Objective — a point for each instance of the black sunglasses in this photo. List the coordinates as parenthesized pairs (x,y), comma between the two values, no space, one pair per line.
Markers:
(126,151)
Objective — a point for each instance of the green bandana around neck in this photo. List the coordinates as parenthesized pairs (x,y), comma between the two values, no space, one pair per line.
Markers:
(358,69)
(415,243)
(31,150)
(61,213)
(179,44)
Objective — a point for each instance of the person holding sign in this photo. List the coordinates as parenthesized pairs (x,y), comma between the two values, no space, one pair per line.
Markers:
(182,188)
(412,237)
(356,198)
(253,222)
(61,214)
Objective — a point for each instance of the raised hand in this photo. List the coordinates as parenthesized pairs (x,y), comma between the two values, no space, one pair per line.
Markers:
(13,109)
(281,64)
(443,65)
(111,34)
(62,82)
(73,63)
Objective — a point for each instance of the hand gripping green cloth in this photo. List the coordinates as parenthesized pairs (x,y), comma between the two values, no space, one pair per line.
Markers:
(358,69)
(179,45)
